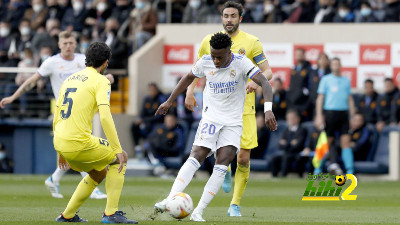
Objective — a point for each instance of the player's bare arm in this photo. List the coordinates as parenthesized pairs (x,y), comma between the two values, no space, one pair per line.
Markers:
(270,120)
(182,85)
(319,120)
(190,100)
(352,107)
(266,71)
(25,87)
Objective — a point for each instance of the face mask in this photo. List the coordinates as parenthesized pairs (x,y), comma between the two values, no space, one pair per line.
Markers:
(2,155)
(28,61)
(37,8)
(140,5)
(25,31)
(101,7)
(365,11)
(78,6)
(44,57)
(268,8)
(343,13)
(194,4)
(4,32)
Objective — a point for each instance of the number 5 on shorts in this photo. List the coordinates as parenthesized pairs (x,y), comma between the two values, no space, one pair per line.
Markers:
(211,129)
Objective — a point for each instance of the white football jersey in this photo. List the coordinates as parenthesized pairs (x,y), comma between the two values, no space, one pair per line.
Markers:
(58,69)
(225,90)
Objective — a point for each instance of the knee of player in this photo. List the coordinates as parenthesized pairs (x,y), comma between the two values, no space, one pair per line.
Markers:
(244,161)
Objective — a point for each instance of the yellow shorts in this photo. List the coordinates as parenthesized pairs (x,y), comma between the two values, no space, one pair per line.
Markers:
(249,136)
(97,157)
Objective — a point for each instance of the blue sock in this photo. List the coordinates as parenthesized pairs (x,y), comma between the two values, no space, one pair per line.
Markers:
(320,169)
(348,159)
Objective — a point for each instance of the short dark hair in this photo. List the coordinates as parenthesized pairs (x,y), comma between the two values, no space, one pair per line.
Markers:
(97,54)
(296,112)
(65,34)
(231,4)
(369,81)
(301,49)
(337,59)
(387,79)
(220,40)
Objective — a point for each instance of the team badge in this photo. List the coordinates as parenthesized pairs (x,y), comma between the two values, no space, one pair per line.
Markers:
(211,73)
(233,73)
(242,51)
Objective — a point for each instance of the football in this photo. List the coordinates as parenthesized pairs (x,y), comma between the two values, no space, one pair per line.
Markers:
(180,206)
(340,180)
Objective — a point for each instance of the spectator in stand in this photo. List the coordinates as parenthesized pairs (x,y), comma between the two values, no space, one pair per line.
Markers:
(37,14)
(385,103)
(119,48)
(74,18)
(367,105)
(14,13)
(6,164)
(392,11)
(122,10)
(326,12)
(279,104)
(196,11)
(395,111)
(141,25)
(263,138)
(272,12)
(302,12)
(49,37)
(54,10)
(3,10)
(5,41)
(84,42)
(291,144)
(145,123)
(24,39)
(97,16)
(366,14)
(63,5)
(298,93)
(360,137)
(316,75)
(45,53)
(344,14)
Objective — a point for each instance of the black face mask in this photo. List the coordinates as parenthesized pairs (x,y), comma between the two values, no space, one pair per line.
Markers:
(114,31)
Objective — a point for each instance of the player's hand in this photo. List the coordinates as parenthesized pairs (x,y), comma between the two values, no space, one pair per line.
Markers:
(5,101)
(163,109)
(320,122)
(62,163)
(270,121)
(110,77)
(251,86)
(190,101)
(122,160)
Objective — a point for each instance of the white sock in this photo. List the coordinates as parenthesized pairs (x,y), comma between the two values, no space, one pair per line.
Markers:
(212,187)
(184,176)
(84,174)
(56,176)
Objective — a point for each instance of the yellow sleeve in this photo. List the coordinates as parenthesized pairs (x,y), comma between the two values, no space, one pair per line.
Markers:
(103,92)
(108,125)
(204,47)
(258,55)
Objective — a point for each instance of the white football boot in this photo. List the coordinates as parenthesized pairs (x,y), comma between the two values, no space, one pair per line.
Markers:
(197,217)
(53,188)
(159,207)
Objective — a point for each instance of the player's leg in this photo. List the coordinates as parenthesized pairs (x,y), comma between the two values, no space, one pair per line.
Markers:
(347,153)
(53,182)
(96,194)
(248,142)
(114,184)
(225,156)
(185,174)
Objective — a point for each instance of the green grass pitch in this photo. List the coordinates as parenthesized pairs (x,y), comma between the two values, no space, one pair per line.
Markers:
(25,200)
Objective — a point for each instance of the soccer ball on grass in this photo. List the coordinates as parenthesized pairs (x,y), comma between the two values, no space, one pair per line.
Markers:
(180,206)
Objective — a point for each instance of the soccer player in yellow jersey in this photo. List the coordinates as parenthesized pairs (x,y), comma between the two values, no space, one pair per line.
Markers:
(243,43)
(81,95)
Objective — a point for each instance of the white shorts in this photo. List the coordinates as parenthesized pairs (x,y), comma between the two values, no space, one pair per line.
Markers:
(214,136)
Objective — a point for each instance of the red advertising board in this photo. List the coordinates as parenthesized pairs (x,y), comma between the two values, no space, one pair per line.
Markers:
(178,54)
(283,73)
(374,54)
(312,52)
(351,73)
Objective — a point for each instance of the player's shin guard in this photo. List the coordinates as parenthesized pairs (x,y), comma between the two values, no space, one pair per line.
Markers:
(184,176)
(114,184)
(241,177)
(56,176)
(212,187)
(348,160)
(82,192)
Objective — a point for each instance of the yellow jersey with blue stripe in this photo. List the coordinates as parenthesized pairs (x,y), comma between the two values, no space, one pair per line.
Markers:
(79,98)
(244,44)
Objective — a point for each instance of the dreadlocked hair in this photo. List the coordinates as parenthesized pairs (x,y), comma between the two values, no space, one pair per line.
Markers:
(220,40)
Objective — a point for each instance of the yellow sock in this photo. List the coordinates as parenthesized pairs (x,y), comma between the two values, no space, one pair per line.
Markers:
(82,192)
(241,177)
(229,168)
(114,184)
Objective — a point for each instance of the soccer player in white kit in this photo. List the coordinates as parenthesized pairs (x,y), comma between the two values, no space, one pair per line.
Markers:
(221,125)
(58,67)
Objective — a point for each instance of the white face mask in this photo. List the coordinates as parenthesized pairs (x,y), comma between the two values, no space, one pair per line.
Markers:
(78,6)
(365,11)
(2,155)
(343,13)
(28,62)
(37,8)
(195,4)
(44,57)
(25,31)
(268,8)
(101,7)
(4,31)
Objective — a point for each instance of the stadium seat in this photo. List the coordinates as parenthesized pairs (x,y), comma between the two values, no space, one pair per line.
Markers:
(176,162)
(380,163)
(272,149)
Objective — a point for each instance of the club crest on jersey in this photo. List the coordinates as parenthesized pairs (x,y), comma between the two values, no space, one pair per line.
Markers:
(211,73)
(233,73)
(242,51)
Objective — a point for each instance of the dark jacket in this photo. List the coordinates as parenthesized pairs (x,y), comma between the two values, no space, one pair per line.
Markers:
(166,142)
(362,139)
(384,106)
(298,93)
(368,110)
(395,111)
(299,135)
